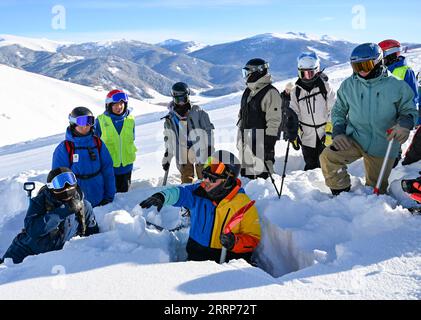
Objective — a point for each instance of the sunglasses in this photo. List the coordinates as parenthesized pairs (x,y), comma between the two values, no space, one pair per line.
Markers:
(82,120)
(59,182)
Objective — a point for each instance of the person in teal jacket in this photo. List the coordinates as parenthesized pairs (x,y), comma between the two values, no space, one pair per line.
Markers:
(368,104)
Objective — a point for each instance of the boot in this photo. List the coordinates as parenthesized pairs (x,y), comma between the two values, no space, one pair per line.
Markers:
(338,192)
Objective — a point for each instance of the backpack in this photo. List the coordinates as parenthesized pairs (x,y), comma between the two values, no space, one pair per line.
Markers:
(322,90)
(70,147)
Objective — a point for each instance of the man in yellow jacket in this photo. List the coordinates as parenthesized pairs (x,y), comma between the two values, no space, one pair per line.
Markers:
(212,204)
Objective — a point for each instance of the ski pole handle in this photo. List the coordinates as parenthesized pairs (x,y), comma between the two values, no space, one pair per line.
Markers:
(164,182)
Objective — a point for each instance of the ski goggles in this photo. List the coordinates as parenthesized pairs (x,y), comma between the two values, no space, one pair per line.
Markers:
(82,120)
(214,169)
(307,73)
(60,181)
(116,98)
(250,69)
(364,66)
(181,100)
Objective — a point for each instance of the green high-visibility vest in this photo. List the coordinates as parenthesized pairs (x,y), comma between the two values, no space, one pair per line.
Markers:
(400,72)
(121,146)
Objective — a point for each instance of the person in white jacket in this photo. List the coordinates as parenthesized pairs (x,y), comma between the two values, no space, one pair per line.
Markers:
(312,100)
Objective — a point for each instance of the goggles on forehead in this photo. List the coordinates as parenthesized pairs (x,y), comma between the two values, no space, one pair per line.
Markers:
(60,181)
(116,98)
(82,120)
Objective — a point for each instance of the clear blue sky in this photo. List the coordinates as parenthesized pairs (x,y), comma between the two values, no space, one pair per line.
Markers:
(211,21)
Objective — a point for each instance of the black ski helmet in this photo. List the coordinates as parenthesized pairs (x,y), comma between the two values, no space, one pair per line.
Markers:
(68,191)
(180,93)
(255,69)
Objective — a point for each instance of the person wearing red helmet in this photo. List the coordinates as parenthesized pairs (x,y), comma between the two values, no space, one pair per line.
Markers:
(116,127)
(397,65)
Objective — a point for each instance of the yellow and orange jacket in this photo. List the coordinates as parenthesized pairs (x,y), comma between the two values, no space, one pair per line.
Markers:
(208,219)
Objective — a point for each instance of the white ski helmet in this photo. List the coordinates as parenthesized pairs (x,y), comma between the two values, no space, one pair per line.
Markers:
(308,65)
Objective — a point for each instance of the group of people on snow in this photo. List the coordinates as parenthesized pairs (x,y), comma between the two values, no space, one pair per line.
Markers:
(375,105)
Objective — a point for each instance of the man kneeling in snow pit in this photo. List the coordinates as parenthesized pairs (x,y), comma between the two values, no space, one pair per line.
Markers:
(54,216)
(212,204)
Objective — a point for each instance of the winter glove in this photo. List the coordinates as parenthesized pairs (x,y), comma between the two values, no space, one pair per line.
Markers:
(104,202)
(399,133)
(291,126)
(166,166)
(156,200)
(227,240)
(328,136)
(341,142)
(296,144)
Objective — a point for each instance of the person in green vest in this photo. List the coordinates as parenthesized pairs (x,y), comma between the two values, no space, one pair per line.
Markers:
(398,66)
(116,127)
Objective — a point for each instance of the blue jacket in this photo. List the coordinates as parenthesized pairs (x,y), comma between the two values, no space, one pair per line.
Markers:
(366,109)
(118,122)
(48,227)
(410,79)
(100,187)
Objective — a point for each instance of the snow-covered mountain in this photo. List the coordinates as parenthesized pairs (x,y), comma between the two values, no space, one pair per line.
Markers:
(139,67)
(354,246)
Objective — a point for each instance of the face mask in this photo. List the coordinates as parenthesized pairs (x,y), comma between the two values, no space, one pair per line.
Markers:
(65,195)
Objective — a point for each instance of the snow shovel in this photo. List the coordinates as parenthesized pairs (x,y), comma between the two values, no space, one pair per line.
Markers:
(29,187)
(383,169)
(236,218)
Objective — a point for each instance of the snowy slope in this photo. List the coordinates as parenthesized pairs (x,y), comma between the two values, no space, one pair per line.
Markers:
(355,246)
(38,106)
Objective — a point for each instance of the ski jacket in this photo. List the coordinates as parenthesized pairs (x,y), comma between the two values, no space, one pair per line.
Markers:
(270,107)
(118,133)
(313,110)
(366,109)
(401,70)
(209,219)
(182,133)
(49,223)
(93,168)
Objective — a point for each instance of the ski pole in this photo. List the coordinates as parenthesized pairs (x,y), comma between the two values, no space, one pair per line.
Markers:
(284,171)
(383,169)
(236,218)
(272,179)
(29,187)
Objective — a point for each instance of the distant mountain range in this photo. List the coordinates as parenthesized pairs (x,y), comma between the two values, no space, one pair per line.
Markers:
(143,69)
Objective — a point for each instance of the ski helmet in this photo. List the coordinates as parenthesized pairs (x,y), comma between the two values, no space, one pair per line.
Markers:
(308,65)
(62,182)
(180,93)
(81,116)
(391,50)
(222,165)
(255,69)
(366,57)
(115,96)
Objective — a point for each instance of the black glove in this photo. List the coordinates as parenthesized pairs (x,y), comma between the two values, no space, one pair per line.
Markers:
(291,126)
(156,200)
(166,166)
(104,202)
(227,240)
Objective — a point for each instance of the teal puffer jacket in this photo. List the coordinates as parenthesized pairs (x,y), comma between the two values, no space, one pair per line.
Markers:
(365,109)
